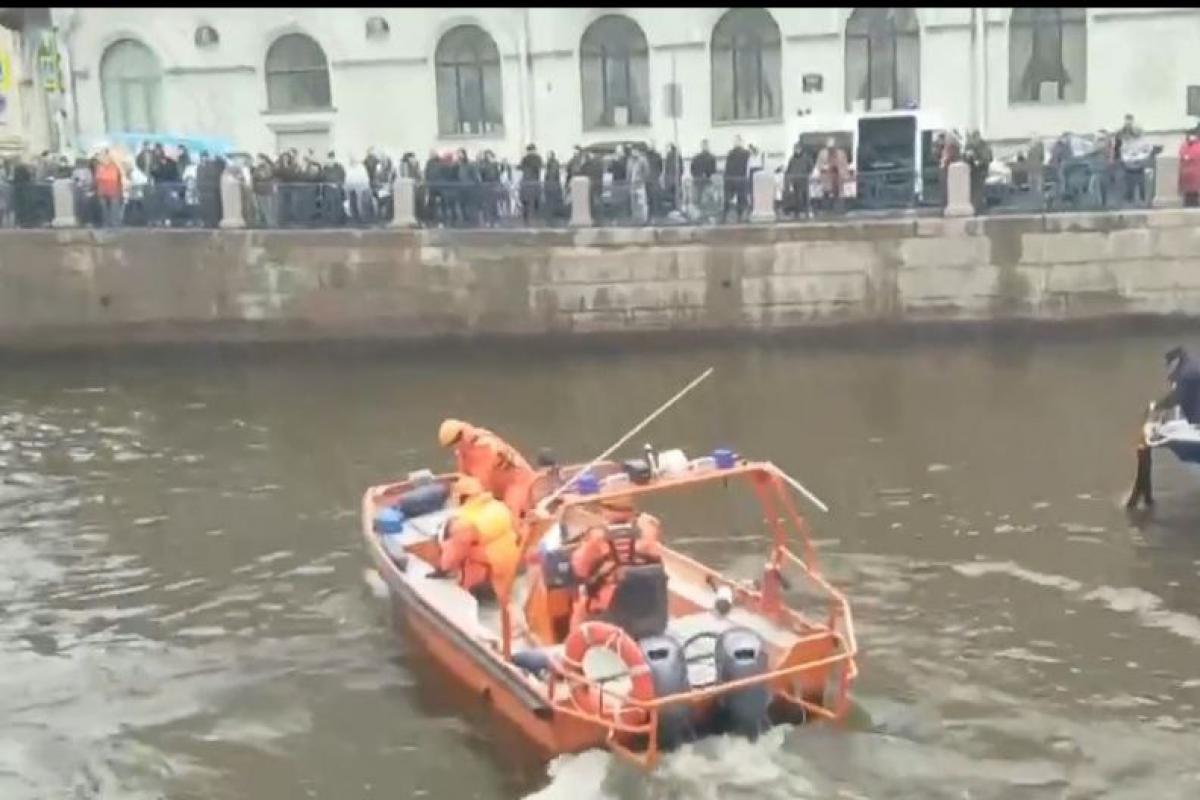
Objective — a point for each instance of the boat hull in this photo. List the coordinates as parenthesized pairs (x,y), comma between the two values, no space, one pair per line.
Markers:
(479,676)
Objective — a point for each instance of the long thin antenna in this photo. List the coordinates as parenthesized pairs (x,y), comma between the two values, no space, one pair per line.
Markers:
(633,432)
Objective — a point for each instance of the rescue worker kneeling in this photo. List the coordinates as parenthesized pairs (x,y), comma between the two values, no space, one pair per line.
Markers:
(480,543)
(492,461)
(610,556)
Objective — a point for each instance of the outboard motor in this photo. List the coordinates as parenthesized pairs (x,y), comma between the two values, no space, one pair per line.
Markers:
(668,669)
(740,653)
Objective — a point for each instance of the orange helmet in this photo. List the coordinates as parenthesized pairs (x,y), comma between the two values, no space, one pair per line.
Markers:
(450,431)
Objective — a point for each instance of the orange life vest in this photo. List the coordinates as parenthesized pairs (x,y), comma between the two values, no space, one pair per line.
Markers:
(598,560)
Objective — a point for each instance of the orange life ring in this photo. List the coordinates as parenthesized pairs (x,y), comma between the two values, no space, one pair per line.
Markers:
(586,695)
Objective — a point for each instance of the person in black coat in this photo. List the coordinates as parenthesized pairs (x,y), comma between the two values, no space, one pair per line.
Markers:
(552,181)
(1184,374)
(654,177)
(531,182)
(333,191)
(737,183)
(672,174)
(208,189)
(433,191)
(469,189)
(795,183)
(703,167)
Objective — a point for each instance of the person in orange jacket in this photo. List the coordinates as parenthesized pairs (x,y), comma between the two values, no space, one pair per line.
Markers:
(493,462)
(599,558)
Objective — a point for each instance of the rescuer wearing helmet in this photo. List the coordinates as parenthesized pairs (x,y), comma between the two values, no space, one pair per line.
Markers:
(480,542)
(496,464)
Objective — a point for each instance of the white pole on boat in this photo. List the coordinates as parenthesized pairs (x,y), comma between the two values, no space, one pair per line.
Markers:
(799,487)
(633,432)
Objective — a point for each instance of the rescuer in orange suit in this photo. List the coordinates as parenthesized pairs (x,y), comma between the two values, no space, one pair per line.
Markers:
(481,542)
(598,560)
(492,461)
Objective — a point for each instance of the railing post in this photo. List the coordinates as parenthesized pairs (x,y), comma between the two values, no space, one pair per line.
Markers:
(958,190)
(1166,182)
(581,202)
(762,202)
(64,204)
(231,201)
(404,203)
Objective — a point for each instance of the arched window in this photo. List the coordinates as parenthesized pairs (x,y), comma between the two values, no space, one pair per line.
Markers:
(883,59)
(470,97)
(131,86)
(1047,55)
(615,75)
(746,66)
(297,74)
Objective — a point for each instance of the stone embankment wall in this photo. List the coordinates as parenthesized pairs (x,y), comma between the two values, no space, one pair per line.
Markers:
(77,287)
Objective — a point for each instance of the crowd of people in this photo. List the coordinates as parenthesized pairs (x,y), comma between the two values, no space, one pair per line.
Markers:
(629,183)
(1105,169)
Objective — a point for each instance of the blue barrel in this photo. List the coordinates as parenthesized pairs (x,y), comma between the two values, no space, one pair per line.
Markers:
(389,519)
(423,500)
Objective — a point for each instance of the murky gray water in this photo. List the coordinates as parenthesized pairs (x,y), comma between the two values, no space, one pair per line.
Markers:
(185,616)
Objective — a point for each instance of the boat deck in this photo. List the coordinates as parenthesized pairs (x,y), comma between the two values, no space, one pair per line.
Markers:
(482,621)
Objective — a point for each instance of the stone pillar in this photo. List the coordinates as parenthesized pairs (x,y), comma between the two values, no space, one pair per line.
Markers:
(958,190)
(64,204)
(1166,182)
(581,202)
(231,202)
(404,203)
(762,201)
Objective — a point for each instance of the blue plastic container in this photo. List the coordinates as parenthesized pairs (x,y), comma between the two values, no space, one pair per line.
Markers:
(389,519)
(725,458)
(587,484)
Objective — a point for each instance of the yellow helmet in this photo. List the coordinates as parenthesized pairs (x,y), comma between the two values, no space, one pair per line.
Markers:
(450,431)
(466,487)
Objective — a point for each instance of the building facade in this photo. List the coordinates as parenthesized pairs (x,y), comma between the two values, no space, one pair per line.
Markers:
(499,78)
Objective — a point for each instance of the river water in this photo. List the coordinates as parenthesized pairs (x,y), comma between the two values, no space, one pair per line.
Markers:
(185,613)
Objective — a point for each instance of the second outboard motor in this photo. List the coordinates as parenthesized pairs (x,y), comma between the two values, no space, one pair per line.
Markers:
(668,669)
(740,653)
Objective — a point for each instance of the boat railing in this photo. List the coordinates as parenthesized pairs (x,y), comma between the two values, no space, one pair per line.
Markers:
(612,710)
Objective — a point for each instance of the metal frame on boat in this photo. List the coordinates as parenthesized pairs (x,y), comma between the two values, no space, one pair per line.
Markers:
(810,663)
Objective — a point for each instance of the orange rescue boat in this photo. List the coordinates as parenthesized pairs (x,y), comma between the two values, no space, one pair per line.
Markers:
(680,653)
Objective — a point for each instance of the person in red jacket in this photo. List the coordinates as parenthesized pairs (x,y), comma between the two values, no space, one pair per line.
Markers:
(110,188)
(1189,169)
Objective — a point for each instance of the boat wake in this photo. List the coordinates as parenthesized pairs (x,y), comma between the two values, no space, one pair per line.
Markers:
(717,767)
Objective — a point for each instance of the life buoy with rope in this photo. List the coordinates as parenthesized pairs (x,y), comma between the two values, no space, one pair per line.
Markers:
(587,697)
